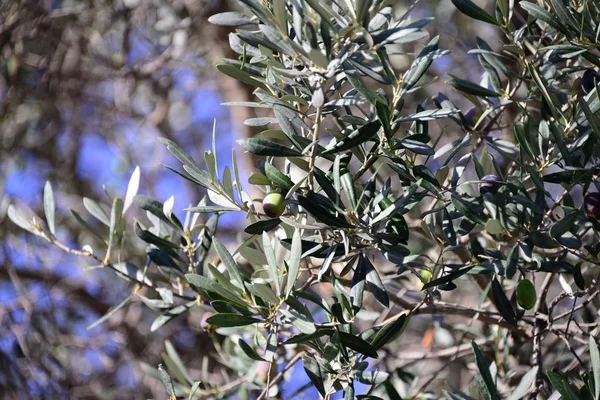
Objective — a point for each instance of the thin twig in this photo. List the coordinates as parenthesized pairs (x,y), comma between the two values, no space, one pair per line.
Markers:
(280,375)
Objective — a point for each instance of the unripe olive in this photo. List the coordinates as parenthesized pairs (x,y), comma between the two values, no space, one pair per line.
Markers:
(591,204)
(526,295)
(426,275)
(490,184)
(273,204)
(590,79)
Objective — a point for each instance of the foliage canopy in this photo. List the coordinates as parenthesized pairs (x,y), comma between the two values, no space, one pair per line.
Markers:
(384,216)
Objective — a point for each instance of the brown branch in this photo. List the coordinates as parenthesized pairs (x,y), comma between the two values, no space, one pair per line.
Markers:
(537,357)
(444,308)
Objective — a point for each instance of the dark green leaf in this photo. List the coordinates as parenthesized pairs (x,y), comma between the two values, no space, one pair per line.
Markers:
(538,12)
(560,231)
(357,287)
(313,370)
(307,246)
(390,332)
(564,14)
(262,226)
(484,370)
(570,175)
(228,320)
(151,238)
(155,207)
(359,136)
(562,386)
(165,263)
(357,344)
(416,147)
(241,75)
(277,177)
(471,9)
(322,214)
(421,64)
(471,88)
(447,278)
(374,284)
(502,303)
(249,351)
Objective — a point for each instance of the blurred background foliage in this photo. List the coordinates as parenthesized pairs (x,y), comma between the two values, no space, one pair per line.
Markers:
(86,87)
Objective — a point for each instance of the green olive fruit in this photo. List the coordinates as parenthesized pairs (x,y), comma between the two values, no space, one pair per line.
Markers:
(273,204)
(426,275)
(526,295)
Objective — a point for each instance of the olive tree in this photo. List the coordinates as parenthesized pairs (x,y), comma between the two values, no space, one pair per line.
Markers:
(363,215)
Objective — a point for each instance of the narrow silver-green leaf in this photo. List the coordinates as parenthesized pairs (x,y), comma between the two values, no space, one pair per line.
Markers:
(194,389)
(429,115)
(132,188)
(236,174)
(595,357)
(272,261)
(167,381)
(241,75)
(96,211)
(230,18)
(525,384)
(294,262)
(132,272)
(263,147)
(49,207)
(229,263)
(178,362)
(110,312)
(300,321)
(115,222)
(264,292)
(19,218)
(371,377)
(210,209)
(161,320)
